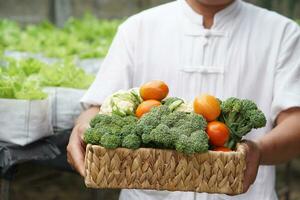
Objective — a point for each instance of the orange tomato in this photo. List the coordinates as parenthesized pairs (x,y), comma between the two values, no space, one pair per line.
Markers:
(224,149)
(218,133)
(208,106)
(156,90)
(145,107)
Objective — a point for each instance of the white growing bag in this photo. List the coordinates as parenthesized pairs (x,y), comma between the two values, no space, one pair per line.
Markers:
(90,66)
(24,121)
(65,105)
(18,55)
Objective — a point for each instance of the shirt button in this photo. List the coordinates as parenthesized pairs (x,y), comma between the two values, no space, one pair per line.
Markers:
(207,34)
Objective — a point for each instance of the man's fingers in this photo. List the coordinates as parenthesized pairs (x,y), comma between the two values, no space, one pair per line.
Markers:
(70,161)
(76,149)
(252,163)
(76,158)
(79,160)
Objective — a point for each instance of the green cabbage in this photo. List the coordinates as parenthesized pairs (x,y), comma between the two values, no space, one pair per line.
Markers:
(65,74)
(88,37)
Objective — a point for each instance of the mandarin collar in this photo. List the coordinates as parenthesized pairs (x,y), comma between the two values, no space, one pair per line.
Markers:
(193,24)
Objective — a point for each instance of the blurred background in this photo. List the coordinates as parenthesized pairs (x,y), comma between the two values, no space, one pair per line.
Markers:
(34,11)
(48,30)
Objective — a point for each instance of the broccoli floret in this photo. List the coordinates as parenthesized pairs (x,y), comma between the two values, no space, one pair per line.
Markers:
(117,120)
(130,119)
(91,136)
(248,105)
(114,127)
(196,143)
(161,136)
(160,111)
(100,118)
(108,128)
(131,141)
(164,130)
(173,118)
(110,141)
(257,118)
(192,121)
(128,129)
(199,141)
(183,145)
(241,116)
(197,121)
(151,120)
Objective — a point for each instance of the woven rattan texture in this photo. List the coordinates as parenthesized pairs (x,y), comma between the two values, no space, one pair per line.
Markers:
(146,168)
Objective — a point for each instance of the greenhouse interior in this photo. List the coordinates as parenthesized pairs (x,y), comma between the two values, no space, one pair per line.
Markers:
(107,63)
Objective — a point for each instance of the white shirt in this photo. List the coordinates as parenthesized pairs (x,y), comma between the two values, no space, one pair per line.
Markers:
(248,53)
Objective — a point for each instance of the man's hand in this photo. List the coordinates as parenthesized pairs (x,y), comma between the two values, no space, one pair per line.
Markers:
(282,141)
(76,148)
(252,163)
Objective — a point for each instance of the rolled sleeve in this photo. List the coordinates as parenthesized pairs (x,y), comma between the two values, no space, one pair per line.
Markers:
(115,72)
(287,77)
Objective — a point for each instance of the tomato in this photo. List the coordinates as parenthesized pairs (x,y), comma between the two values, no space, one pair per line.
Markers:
(145,107)
(224,149)
(208,106)
(156,90)
(218,133)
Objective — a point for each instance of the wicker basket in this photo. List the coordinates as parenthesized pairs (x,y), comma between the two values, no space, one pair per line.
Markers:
(146,168)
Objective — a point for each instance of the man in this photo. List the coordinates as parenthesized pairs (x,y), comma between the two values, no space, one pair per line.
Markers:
(222,47)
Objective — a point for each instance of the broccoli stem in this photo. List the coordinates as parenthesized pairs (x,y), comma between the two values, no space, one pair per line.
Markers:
(231,144)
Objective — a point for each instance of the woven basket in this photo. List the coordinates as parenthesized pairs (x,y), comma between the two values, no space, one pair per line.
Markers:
(146,168)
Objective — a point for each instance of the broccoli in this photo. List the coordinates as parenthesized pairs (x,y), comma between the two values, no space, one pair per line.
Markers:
(197,142)
(171,128)
(241,116)
(173,118)
(195,121)
(108,128)
(128,129)
(159,128)
(114,125)
(92,136)
(151,120)
(131,141)
(192,122)
(110,141)
(161,136)
(100,118)
(183,145)
(130,119)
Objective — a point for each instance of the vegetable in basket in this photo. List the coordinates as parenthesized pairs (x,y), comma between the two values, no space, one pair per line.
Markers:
(159,128)
(178,104)
(110,130)
(155,90)
(241,116)
(121,103)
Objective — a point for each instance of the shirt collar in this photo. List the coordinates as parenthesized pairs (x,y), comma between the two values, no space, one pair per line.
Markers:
(221,19)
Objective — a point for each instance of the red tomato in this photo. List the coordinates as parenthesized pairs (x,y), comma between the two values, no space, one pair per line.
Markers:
(218,133)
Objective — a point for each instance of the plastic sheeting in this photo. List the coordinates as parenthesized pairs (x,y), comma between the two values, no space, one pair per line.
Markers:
(11,155)
(42,150)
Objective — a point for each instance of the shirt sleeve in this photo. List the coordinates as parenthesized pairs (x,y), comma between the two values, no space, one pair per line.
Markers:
(115,72)
(287,76)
